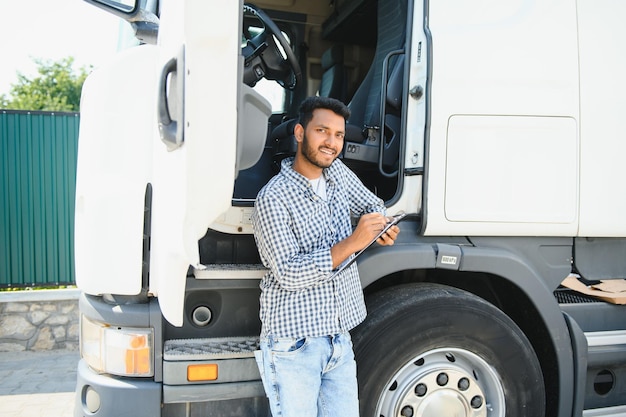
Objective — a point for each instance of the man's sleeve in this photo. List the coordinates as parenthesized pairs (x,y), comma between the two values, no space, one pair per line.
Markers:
(362,200)
(280,251)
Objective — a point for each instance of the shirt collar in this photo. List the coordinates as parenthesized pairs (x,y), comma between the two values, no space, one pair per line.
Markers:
(287,170)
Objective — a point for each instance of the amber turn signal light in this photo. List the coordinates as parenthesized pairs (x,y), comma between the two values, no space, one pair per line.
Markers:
(203,372)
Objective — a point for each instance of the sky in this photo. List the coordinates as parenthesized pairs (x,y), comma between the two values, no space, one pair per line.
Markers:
(52,30)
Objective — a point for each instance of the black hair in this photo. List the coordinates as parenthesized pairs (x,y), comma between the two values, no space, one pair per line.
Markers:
(317,102)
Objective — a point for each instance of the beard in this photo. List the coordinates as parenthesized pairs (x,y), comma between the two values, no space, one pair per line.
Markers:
(312,155)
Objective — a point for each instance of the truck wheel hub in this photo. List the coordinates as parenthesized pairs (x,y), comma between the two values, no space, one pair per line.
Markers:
(444,383)
(444,393)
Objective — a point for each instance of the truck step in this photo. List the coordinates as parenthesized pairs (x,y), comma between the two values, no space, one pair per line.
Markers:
(230,271)
(210,348)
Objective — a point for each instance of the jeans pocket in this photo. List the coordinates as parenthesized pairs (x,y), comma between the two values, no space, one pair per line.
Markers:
(288,345)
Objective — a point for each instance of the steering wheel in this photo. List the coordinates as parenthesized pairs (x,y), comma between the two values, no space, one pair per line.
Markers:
(263,58)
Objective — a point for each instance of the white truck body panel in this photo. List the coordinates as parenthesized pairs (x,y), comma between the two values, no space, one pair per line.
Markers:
(533,169)
(522,132)
(113,171)
(603,124)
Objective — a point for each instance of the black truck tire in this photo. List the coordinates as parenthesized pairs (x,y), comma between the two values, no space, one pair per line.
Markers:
(430,350)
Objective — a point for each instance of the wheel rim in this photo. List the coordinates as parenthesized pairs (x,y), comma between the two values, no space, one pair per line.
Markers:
(443,383)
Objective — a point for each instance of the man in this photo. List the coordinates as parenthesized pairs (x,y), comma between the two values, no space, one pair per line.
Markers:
(302,226)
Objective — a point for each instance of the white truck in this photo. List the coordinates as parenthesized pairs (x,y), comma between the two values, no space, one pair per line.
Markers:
(498,126)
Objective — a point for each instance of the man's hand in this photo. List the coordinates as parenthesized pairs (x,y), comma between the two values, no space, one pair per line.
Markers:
(368,227)
(389,237)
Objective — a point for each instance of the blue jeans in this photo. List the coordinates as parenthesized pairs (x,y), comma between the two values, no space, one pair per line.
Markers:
(309,377)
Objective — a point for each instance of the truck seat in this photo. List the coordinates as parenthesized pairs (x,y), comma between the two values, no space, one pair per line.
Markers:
(334,79)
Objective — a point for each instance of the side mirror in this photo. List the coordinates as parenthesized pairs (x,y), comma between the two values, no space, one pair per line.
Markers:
(126,9)
(144,22)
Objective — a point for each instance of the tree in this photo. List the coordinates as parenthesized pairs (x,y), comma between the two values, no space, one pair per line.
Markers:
(57,87)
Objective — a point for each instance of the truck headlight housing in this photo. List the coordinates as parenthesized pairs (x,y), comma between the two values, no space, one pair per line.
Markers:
(124,351)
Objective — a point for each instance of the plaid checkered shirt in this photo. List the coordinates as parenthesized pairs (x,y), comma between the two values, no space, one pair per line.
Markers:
(294,231)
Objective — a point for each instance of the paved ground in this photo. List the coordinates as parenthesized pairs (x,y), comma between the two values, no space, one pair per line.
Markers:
(38,384)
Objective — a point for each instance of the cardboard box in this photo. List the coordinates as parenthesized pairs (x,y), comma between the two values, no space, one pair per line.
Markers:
(612,290)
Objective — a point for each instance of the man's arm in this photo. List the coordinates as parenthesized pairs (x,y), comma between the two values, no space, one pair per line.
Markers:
(280,250)
(372,210)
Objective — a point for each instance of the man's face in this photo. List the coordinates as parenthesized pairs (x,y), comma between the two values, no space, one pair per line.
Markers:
(322,140)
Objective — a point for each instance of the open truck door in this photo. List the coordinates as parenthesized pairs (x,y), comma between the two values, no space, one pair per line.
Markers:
(163,204)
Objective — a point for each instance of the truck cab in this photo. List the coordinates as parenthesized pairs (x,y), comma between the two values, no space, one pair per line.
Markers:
(496,126)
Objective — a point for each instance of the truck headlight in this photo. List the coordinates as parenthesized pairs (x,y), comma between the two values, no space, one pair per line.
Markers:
(125,351)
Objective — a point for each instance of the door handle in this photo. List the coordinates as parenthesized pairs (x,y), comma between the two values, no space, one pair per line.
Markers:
(171,129)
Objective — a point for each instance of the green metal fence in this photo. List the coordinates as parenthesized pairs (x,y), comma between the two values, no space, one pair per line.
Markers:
(38,168)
